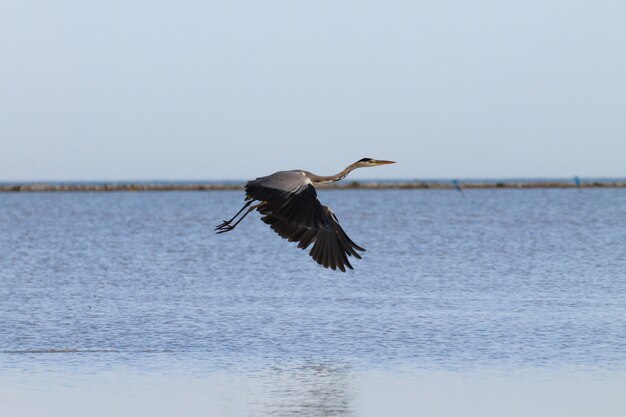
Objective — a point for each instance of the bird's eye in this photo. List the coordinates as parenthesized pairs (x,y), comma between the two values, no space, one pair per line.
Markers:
(365,160)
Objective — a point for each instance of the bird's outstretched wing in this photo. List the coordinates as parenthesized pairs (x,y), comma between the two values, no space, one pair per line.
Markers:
(293,211)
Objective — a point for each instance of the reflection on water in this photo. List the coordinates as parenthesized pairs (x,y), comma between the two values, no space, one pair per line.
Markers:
(309,389)
(322,389)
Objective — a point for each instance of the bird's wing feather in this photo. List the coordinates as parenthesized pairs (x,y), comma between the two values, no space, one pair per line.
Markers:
(293,211)
(278,188)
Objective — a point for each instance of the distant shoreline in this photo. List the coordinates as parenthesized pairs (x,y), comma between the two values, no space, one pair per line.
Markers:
(348,185)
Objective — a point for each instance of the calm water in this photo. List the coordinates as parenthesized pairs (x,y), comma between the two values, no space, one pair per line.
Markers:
(117,287)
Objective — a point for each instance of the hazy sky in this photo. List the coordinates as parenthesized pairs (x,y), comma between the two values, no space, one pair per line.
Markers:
(101,90)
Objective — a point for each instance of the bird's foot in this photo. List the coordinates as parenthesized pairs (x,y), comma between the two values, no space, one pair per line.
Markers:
(223,228)
(226,223)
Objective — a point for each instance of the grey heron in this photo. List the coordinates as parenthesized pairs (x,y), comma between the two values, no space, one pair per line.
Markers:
(288,203)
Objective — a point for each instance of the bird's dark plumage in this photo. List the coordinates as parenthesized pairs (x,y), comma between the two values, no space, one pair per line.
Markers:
(296,214)
(289,205)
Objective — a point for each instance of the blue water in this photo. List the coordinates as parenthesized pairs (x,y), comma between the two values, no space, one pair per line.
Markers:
(498,279)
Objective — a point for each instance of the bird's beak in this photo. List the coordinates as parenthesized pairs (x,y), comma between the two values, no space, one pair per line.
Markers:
(380,162)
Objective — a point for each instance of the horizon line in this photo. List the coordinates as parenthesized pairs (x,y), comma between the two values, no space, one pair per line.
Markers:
(347,180)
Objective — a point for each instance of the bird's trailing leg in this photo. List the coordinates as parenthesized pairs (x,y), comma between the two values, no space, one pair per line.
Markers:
(226,226)
(227,222)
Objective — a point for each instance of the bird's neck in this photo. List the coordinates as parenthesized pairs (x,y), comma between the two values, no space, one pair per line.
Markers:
(320,179)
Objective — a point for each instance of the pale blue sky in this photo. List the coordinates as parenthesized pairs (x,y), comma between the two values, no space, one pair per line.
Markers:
(105,90)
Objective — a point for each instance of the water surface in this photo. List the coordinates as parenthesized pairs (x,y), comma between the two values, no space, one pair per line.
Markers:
(453,288)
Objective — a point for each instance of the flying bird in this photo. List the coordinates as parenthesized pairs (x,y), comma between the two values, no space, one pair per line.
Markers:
(288,203)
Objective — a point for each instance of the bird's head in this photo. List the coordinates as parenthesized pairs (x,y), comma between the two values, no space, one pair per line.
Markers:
(369,162)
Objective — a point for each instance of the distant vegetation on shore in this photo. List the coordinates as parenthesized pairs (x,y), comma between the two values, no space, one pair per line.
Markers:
(377,185)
